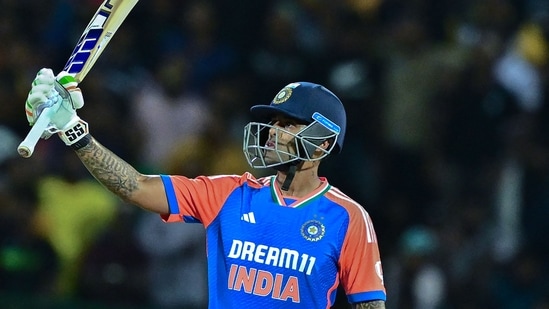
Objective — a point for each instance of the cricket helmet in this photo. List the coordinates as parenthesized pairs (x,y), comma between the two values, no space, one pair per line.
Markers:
(311,104)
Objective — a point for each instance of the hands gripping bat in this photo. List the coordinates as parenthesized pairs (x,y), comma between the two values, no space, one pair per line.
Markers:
(104,23)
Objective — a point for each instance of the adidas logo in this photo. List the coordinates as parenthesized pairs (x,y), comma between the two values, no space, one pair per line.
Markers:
(249,217)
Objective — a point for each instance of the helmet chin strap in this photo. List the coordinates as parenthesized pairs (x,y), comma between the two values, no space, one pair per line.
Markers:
(289,178)
(290,170)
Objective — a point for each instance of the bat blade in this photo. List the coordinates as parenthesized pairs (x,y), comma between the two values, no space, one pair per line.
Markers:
(97,34)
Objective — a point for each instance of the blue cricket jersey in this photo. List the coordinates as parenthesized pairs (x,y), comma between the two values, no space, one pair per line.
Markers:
(265,251)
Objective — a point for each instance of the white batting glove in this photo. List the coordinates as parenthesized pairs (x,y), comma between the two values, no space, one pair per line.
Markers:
(62,95)
(39,95)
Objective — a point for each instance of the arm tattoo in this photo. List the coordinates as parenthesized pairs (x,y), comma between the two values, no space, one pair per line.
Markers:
(114,173)
(378,304)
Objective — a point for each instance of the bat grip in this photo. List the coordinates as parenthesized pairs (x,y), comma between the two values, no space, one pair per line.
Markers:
(26,148)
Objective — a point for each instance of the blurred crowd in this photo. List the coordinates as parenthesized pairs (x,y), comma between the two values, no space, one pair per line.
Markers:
(447,144)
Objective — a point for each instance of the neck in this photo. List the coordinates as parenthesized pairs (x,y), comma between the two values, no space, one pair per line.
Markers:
(305,181)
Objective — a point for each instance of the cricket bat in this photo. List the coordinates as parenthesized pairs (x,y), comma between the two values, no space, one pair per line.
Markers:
(101,28)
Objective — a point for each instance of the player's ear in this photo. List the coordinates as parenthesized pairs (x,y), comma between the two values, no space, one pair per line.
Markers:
(325,144)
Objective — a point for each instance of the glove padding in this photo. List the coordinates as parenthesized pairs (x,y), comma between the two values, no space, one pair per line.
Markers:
(61,94)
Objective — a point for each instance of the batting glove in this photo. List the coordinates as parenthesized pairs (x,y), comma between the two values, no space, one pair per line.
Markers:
(61,94)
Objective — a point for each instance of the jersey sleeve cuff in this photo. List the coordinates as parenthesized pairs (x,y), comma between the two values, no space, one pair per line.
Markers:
(367,296)
(174,215)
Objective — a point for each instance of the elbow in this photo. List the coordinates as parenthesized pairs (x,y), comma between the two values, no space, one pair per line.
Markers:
(147,193)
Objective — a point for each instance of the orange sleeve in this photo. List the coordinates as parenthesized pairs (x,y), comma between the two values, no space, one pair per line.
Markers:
(200,198)
(360,264)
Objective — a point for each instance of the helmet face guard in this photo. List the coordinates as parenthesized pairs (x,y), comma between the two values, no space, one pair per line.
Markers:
(304,143)
(308,103)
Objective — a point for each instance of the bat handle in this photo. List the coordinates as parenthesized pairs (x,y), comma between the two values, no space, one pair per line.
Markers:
(26,148)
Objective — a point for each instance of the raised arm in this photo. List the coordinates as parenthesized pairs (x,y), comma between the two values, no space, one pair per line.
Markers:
(63,97)
(119,177)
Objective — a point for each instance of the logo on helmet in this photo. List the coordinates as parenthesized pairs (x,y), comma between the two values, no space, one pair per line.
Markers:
(284,94)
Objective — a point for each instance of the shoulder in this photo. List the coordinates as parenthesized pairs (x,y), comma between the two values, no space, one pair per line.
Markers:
(356,212)
(340,198)
(237,180)
(254,182)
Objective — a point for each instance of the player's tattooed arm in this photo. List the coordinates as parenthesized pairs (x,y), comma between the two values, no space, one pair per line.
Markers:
(378,304)
(114,173)
(145,191)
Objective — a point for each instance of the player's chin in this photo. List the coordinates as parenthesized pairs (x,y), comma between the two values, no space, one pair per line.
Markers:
(271,161)
(272,158)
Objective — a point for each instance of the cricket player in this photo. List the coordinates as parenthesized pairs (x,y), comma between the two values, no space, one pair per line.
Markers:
(284,241)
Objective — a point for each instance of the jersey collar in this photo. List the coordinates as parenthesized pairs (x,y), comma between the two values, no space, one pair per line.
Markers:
(279,198)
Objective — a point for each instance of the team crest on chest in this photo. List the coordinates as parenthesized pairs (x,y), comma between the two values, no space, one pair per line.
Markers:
(313,230)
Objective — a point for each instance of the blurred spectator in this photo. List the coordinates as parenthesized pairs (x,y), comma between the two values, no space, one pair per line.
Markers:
(521,283)
(522,71)
(28,262)
(113,269)
(413,275)
(176,263)
(171,102)
(166,106)
(9,144)
(191,30)
(276,57)
(73,210)
(217,148)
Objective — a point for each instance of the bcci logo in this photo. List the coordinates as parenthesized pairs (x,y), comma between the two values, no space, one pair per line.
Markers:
(284,94)
(313,230)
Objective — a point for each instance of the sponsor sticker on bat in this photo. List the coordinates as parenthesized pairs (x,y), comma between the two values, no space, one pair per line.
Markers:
(87,43)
